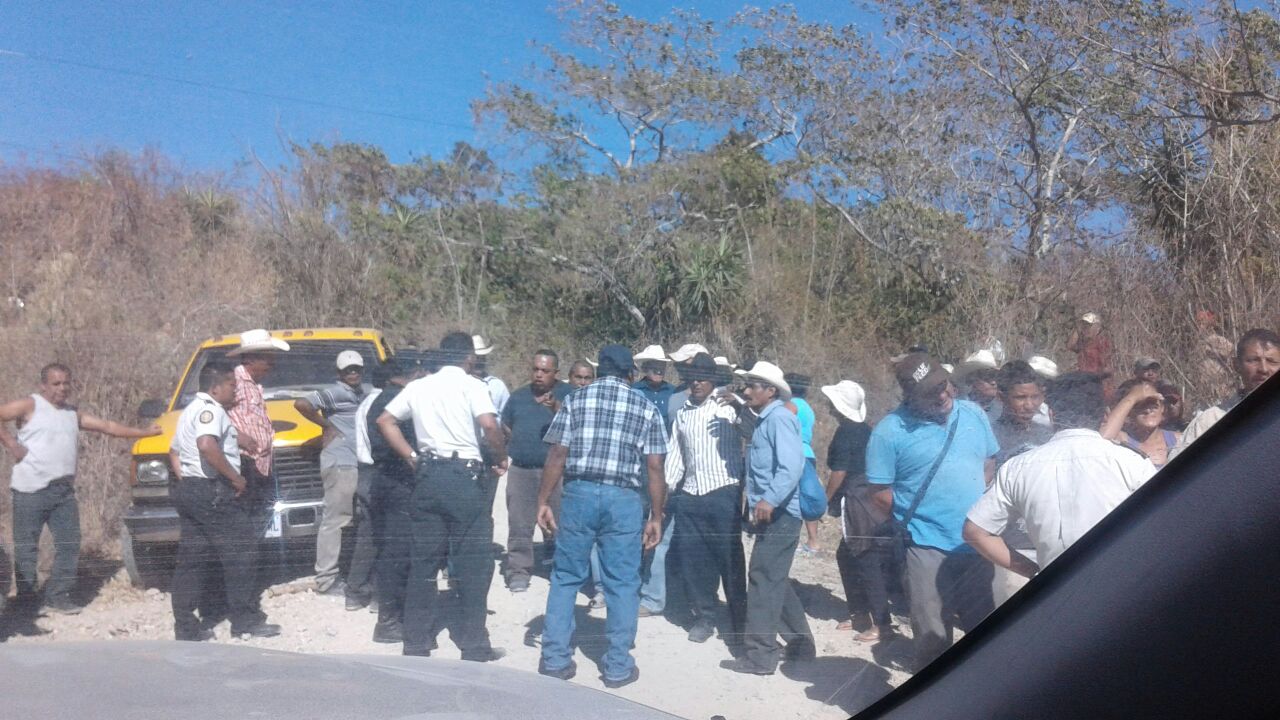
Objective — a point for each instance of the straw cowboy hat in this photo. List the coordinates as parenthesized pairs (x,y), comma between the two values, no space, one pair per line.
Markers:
(981,360)
(256,341)
(849,399)
(770,373)
(653,353)
(482,346)
(1043,366)
(686,352)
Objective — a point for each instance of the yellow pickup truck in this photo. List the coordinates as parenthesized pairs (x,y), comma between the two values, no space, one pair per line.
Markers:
(150,529)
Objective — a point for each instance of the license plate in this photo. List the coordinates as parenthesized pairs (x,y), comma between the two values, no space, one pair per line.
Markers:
(275,527)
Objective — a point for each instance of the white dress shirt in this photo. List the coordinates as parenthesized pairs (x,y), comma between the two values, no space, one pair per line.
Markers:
(364,455)
(1061,489)
(444,407)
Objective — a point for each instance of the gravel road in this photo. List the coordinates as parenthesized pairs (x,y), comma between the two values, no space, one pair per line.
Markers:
(677,676)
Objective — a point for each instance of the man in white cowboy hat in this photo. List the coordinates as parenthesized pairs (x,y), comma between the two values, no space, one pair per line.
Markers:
(775,462)
(498,390)
(681,359)
(257,354)
(652,362)
(859,558)
(334,410)
(978,375)
(932,457)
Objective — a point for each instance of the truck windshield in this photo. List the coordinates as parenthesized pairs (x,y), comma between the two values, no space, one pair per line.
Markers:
(309,365)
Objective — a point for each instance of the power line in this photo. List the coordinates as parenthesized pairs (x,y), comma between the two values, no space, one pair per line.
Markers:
(39,151)
(232,89)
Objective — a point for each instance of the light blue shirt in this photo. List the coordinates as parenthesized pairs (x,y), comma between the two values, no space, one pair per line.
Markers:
(775,460)
(804,413)
(902,449)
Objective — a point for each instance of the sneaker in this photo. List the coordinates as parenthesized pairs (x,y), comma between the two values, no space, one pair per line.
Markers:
(745,666)
(62,606)
(623,682)
(358,602)
(565,673)
(518,585)
(597,602)
(484,656)
(646,612)
(701,632)
(261,630)
(388,633)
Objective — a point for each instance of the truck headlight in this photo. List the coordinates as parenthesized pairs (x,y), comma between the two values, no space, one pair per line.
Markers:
(153,472)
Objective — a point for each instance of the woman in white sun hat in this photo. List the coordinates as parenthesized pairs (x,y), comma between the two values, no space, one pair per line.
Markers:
(859,557)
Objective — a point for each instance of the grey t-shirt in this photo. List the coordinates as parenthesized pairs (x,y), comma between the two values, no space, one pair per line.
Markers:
(339,403)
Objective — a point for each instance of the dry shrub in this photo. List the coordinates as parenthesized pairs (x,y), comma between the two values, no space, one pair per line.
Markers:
(117,282)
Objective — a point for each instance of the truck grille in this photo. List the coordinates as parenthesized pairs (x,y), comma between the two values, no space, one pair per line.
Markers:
(298,473)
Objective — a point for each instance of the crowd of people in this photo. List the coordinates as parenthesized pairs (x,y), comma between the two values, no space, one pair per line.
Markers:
(643,489)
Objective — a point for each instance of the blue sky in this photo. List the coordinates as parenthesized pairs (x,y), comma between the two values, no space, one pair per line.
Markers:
(83,76)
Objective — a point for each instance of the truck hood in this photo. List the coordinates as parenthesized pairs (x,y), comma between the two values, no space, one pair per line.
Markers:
(291,429)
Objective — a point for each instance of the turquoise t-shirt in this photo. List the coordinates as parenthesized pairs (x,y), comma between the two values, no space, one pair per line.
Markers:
(804,413)
(902,449)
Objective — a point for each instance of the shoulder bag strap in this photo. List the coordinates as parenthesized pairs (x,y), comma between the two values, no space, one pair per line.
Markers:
(924,487)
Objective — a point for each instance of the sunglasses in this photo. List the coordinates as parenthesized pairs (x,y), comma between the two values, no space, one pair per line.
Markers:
(353,370)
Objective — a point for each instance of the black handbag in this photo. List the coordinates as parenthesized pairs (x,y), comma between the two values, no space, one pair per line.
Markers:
(897,531)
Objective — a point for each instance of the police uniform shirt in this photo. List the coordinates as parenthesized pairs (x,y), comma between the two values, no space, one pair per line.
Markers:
(204,416)
(444,407)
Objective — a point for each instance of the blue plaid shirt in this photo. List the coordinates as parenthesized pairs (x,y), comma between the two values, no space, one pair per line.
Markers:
(609,428)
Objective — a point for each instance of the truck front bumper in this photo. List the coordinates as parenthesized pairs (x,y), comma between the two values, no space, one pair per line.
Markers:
(159,523)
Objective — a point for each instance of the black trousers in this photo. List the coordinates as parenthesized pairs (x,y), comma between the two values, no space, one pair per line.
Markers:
(452,515)
(773,608)
(217,532)
(393,535)
(364,553)
(866,586)
(709,534)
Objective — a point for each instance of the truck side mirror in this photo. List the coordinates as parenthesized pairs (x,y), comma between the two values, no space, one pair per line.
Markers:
(151,409)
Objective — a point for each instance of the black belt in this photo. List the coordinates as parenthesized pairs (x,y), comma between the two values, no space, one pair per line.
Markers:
(469,464)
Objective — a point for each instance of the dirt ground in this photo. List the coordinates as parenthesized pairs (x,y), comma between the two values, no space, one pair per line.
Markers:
(677,676)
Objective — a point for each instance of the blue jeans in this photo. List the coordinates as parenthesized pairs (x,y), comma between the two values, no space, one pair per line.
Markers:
(653,593)
(597,587)
(613,519)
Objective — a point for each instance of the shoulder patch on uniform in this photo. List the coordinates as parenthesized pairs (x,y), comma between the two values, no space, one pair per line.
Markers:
(206,416)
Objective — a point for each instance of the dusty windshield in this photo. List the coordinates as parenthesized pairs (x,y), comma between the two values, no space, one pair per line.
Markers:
(743,356)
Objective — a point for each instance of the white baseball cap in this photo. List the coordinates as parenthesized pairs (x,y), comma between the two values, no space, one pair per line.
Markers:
(482,346)
(347,358)
(686,352)
(1091,318)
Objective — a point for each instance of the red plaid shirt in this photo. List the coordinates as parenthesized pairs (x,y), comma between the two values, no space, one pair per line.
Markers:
(250,418)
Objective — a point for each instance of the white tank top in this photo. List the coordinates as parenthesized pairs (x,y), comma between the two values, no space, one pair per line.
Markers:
(51,437)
